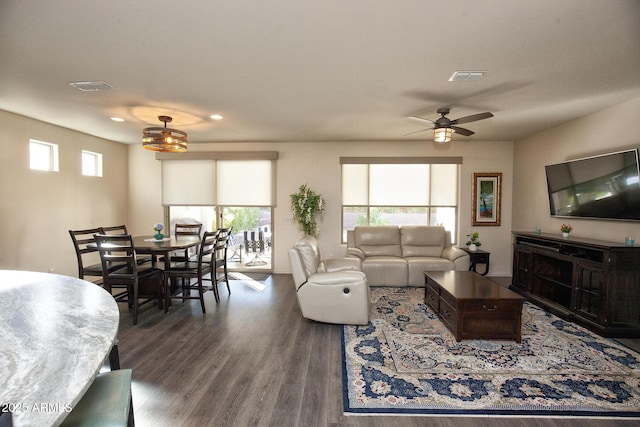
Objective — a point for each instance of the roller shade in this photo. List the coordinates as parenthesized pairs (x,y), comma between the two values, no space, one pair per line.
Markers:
(189,182)
(244,182)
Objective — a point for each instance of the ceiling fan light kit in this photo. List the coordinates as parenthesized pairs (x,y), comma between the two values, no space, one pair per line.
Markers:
(442,135)
(444,128)
(163,138)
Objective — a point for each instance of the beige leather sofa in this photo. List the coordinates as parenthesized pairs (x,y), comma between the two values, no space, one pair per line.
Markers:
(399,256)
(332,290)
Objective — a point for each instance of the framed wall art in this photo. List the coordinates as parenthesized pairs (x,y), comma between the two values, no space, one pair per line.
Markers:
(486,201)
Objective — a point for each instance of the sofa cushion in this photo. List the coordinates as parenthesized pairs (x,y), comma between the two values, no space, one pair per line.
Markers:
(381,250)
(378,240)
(385,270)
(422,241)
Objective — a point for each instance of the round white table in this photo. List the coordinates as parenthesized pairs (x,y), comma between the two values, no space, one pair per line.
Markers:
(55,334)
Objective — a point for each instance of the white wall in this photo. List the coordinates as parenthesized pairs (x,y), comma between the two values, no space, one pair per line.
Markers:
(317,164)
(613,129)
(38,208)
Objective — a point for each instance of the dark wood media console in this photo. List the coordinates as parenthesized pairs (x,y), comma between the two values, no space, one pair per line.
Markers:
(592,282)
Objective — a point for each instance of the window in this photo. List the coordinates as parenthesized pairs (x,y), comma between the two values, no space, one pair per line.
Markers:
(91,163)
(223,189)
(43,156)
(400,191)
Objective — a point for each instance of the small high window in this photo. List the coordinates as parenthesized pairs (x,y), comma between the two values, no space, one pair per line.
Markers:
(43,156)
(91,163)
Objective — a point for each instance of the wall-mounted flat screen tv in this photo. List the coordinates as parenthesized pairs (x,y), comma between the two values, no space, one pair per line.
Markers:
(604,187)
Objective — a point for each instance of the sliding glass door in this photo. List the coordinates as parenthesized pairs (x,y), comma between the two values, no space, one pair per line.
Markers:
(225,190)
(250,247)
(252,242)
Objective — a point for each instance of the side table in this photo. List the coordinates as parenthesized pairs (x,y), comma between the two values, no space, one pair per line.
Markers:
(478,257)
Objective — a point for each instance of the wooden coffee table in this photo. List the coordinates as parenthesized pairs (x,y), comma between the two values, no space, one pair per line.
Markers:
(474,307)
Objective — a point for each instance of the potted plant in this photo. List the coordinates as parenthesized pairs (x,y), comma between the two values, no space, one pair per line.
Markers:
(305,206)
(566,229)
(473,241)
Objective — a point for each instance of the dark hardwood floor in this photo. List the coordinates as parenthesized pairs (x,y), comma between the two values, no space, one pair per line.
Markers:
(252,360)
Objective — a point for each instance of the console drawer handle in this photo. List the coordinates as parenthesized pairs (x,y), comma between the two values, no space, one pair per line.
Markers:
(494,308)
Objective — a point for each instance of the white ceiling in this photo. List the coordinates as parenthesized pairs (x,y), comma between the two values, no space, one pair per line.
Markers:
(316,70)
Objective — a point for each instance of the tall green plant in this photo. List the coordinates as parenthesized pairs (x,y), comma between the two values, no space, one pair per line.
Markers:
(305,206)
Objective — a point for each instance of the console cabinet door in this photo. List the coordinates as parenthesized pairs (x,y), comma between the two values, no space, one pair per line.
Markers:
(521,268)
(589,301)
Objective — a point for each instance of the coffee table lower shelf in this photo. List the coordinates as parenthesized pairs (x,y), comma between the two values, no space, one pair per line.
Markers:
(474,307)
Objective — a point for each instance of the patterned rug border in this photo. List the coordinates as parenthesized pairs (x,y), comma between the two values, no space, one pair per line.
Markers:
(506,413)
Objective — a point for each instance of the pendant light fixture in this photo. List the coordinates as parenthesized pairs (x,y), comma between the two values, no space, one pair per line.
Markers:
(164,138)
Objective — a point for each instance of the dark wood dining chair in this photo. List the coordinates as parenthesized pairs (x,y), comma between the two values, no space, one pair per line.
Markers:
(220,272)
(122,230)
(194,229)
(193,270)
(83,242)
(114,229)
(142,282)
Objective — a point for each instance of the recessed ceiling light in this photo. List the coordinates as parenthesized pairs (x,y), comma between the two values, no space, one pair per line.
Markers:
(91,86)
(117,119)
(466,76)
(216,117)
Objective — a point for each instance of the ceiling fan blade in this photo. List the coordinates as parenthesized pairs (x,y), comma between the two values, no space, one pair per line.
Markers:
(418,131)
(420,118)
(462,131)
(471,118)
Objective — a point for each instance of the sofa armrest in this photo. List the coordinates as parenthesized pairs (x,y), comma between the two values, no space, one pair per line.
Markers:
(340,264)
(355,253)
(452,254)
(459,257)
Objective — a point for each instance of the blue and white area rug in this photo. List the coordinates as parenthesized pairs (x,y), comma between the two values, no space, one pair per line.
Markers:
(406,362)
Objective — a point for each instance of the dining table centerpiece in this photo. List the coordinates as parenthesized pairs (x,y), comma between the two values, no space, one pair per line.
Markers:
(306,205)
(158,228)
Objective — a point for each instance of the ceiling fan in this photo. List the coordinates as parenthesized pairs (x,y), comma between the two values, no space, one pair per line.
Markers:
(444,128)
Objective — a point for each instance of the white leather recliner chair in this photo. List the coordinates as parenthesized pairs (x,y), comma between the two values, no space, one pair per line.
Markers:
(332,290)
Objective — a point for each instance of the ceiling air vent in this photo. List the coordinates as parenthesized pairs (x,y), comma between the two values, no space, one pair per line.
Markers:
(91,86)
(466,76)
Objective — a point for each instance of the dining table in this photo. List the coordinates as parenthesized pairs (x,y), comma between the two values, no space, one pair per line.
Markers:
(149,245)
(56,332)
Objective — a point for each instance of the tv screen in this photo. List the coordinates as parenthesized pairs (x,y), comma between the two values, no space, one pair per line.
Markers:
(605,187)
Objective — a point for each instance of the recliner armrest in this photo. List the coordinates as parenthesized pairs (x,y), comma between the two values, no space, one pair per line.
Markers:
(337,278)
(340,264)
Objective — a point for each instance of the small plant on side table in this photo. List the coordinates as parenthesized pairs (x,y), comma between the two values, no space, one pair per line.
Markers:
(473,243)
